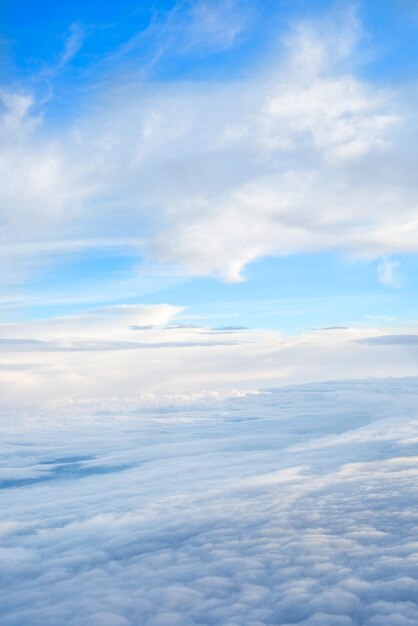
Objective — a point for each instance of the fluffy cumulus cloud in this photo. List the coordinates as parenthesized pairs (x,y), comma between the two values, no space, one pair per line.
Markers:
(295,506)
(301,154)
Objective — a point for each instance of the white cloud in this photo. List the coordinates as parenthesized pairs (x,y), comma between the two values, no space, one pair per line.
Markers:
(134,355)
(295,506)
(389,273)
(301,156)
(73,44)
(213,26)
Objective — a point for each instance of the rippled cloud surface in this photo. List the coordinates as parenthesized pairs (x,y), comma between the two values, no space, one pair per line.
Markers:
(293,506)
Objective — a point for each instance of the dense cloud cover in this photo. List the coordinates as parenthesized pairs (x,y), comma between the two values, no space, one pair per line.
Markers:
(293,506)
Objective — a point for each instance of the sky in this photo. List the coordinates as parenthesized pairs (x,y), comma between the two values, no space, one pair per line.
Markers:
(236,173)
(208,313)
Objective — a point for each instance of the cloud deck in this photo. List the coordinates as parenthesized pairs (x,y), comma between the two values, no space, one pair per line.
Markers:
(291,506)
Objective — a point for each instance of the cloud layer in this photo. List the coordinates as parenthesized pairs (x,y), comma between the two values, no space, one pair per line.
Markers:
(133,355)
(293,506)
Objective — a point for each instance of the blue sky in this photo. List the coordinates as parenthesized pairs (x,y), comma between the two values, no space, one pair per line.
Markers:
(64,54)
(237,164)
(35,35)
(290,294)
(208,312)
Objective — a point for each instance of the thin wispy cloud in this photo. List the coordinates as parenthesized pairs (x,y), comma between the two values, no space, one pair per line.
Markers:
(389,273)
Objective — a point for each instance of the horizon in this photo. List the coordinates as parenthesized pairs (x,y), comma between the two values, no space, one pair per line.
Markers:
(208,312)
